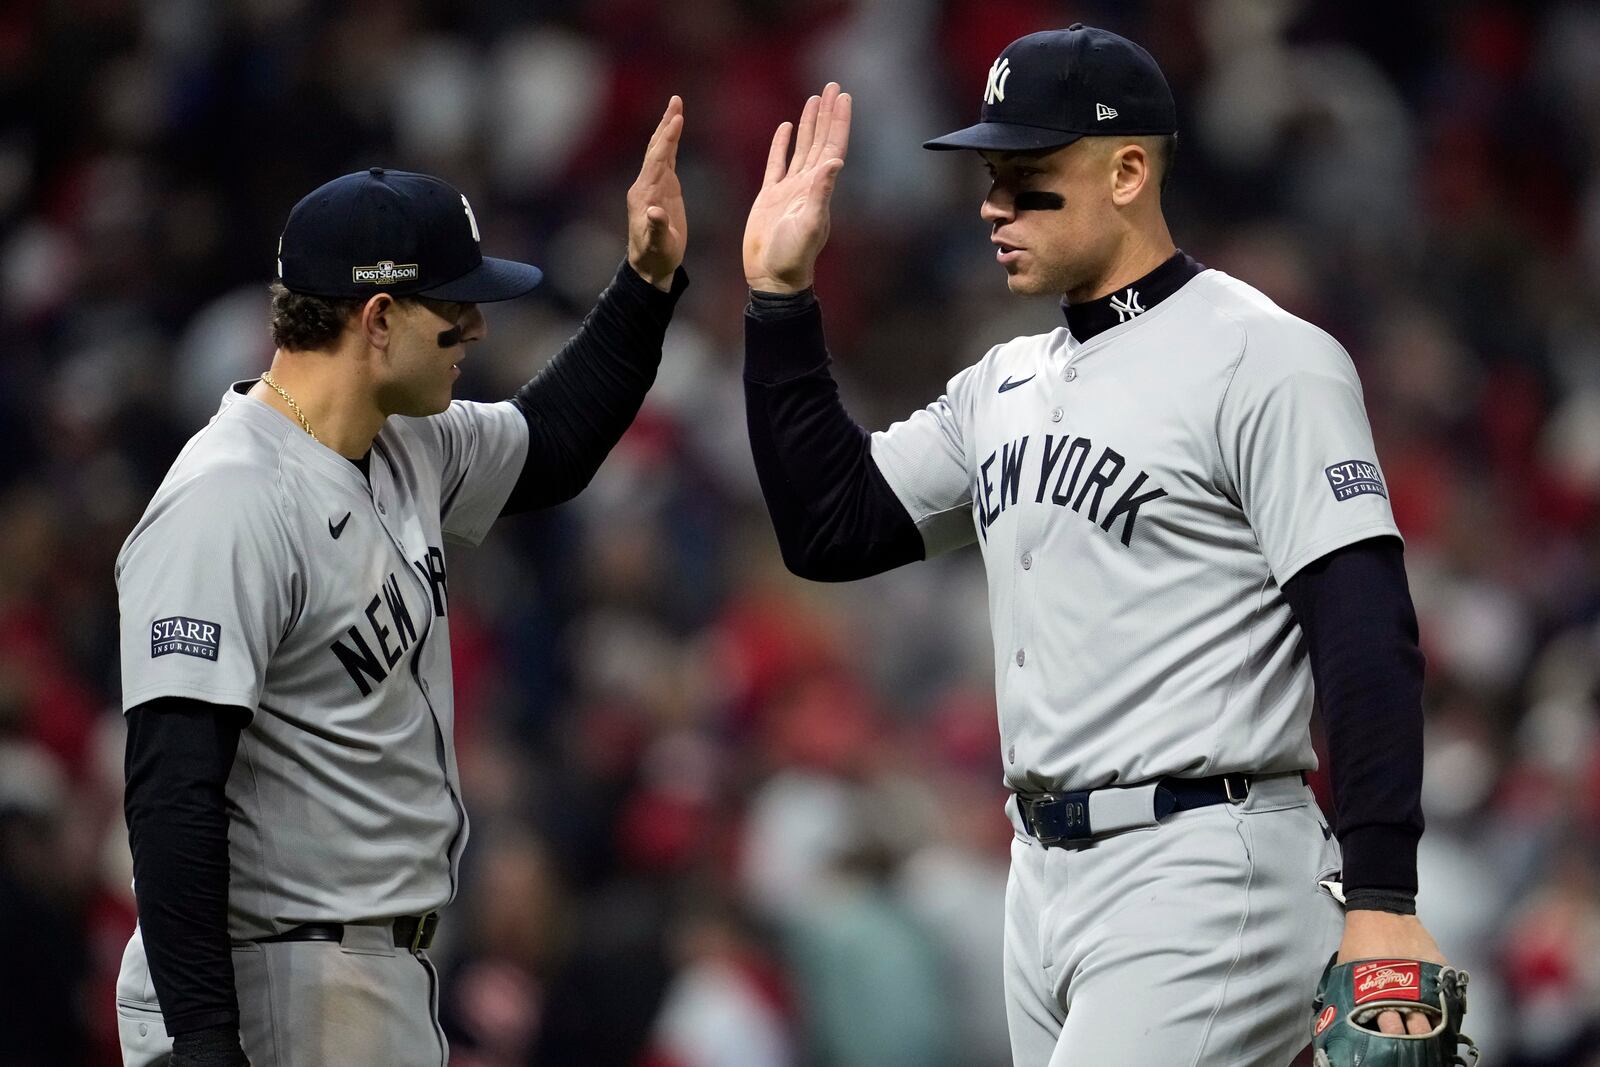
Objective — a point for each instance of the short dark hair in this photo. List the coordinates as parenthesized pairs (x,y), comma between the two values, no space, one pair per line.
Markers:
(1166,156)
(302,323)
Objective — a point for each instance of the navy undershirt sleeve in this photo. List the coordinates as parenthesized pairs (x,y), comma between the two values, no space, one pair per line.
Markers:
(583,401)
(1355,609)
(835,515)
(179,755)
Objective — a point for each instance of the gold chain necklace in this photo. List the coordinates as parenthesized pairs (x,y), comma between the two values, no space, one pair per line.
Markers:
(266,376)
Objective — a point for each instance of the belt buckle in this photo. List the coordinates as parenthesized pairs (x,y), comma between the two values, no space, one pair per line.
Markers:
(1045,800)
(1243,793)
(425,927)
(1075,812)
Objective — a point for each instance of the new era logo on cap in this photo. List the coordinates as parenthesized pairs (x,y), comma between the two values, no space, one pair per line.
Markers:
(1102,112)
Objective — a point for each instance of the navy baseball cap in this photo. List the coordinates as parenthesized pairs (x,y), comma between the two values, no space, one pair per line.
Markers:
(391,231)
(1049,89)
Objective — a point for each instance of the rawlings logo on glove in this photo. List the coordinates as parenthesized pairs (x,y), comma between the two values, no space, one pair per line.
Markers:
(1344,1031)
(1393,978)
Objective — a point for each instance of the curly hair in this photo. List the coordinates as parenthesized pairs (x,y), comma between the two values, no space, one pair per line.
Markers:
(301,322)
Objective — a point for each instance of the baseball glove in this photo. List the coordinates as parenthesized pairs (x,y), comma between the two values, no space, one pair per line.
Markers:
(1344,1030)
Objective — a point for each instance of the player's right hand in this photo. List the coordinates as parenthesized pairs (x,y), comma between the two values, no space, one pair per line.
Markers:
(788,223)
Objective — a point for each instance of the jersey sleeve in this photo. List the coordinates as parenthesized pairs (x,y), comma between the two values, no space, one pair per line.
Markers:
(1297,449)
(207,587)
(480,449)
(924,460)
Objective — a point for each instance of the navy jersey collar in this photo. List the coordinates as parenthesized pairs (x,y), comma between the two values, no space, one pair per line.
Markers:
(1093,317)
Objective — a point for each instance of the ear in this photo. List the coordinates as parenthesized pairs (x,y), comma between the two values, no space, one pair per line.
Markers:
(377,320)
(1130,172)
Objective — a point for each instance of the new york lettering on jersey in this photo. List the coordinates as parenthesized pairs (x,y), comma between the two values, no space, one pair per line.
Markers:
(1061,474)
(373,643)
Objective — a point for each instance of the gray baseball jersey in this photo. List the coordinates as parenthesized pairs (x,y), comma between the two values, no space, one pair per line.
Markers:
(1140,500)
(268,573)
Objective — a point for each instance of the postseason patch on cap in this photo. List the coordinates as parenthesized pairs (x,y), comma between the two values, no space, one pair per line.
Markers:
(385,272)
(186,637)
(1354,477)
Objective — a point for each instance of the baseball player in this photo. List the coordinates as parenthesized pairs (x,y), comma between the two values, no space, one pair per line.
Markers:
(1185,530)
(293,800)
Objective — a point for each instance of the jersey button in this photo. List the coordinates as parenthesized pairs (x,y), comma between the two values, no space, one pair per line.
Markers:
(1011,754)
(381,510)
(1055,415)
(1027,561)
(1022,657)
(1070,374)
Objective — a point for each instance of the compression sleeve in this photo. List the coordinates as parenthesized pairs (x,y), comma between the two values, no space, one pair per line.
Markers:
(835,515)
(1355,609)
(586,397)
(179,755)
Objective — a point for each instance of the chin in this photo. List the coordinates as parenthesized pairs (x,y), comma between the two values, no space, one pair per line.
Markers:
(1025,285)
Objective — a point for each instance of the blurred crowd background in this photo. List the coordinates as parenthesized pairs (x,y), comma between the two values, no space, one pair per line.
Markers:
(723,817)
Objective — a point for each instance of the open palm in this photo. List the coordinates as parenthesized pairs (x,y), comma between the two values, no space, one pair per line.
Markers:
(658,227)
(788,222)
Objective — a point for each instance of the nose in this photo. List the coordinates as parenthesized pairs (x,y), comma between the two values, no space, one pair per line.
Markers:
(999,206)
(474,327)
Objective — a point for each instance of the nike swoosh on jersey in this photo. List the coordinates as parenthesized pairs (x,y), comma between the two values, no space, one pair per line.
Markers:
(1009,384)
(339,529)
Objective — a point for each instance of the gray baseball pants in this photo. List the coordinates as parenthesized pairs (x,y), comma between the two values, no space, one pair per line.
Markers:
(359,1003)
(1194,942)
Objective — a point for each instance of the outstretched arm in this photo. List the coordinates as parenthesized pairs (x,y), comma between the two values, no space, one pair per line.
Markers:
(835,516)
(583,401)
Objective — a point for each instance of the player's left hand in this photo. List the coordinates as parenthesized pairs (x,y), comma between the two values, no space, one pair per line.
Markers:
(1382,934)
(658,228)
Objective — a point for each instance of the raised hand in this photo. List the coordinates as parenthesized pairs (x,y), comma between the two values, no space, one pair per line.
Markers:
(658,228)
(788,223)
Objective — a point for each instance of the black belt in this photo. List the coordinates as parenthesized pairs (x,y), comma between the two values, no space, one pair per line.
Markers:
(1063,818)
(411,932)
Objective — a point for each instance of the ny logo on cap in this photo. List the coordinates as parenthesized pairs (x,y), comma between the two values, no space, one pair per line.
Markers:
(1101,112)
(996,89)
(472,220)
